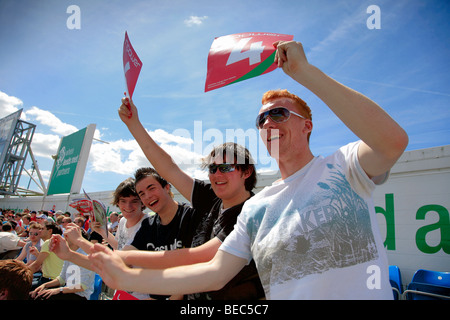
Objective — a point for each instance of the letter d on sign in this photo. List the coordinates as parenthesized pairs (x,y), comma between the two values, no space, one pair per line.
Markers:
(74,21)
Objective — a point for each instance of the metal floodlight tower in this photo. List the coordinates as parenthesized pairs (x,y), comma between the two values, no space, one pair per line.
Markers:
(15,157)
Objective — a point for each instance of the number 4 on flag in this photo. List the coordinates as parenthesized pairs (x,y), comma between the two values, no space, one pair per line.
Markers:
(242,56)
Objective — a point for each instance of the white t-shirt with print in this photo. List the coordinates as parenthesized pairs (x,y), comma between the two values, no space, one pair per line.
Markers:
(126,235)
(314,235)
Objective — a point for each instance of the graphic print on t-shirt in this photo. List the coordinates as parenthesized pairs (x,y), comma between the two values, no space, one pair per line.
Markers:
(323,228)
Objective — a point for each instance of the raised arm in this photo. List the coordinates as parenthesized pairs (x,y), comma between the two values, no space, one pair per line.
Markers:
(201,277)
(160,159)
(73,235)
(383,139)
(59,246)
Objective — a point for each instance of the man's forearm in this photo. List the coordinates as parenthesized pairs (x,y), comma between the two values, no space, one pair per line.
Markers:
(201,277)
(80,260)
(173,281)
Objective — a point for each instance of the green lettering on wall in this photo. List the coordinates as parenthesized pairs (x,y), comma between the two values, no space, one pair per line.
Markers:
(389,242)
(443,225)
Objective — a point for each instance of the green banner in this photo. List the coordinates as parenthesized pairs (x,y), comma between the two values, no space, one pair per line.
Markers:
(66,163)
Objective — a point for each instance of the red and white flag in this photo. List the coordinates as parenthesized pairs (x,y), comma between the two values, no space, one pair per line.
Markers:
(241,56)
(131,66)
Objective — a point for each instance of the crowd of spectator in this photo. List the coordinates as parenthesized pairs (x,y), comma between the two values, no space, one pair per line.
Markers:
(29,269)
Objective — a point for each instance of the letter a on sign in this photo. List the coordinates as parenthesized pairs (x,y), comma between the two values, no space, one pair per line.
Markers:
(241,56)
(131,66)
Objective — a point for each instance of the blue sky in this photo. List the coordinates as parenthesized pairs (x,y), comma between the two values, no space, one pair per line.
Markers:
(66,79)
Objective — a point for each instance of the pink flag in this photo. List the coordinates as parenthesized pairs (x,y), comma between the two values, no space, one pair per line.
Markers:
(241,56)
(131,66)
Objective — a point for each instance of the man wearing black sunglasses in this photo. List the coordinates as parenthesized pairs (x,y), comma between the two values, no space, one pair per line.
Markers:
(313,234)
(232,178)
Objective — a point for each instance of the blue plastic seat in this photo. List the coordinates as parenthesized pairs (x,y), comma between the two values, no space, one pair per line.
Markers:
(437,278)
(97,288)
(428,285)
(395,278)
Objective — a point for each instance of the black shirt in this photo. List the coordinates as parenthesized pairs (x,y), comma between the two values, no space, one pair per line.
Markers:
(219,223)
(153,236)
(177,234)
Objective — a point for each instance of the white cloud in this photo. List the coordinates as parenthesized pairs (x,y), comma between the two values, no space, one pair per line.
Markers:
(195,21)
(117,156)
(125,156)
(162,136)
(49,119)
(8,104)
(45,145)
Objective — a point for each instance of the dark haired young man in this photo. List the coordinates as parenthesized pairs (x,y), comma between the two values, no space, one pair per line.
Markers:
(173,224)
(232,178)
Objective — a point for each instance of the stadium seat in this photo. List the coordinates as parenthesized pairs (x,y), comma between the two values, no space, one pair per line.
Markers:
(97,288)
(428,285)
(395,278)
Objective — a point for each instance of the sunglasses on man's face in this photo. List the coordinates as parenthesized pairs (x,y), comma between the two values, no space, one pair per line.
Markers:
(278,115)
(223,167)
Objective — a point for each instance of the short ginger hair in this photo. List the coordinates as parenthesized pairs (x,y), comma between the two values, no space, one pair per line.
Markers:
(303,108)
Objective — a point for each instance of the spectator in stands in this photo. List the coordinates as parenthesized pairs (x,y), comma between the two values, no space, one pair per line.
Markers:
(59,222)
(34,241)
(113,222)
(73,283)
(58,213)
(10,225)
(46,260)
(10,243)
(79,221)
(51,215)
(33,216)
(124,197)
(19,227)
(15,280)
(41,218)
(26,220)
(65,221)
